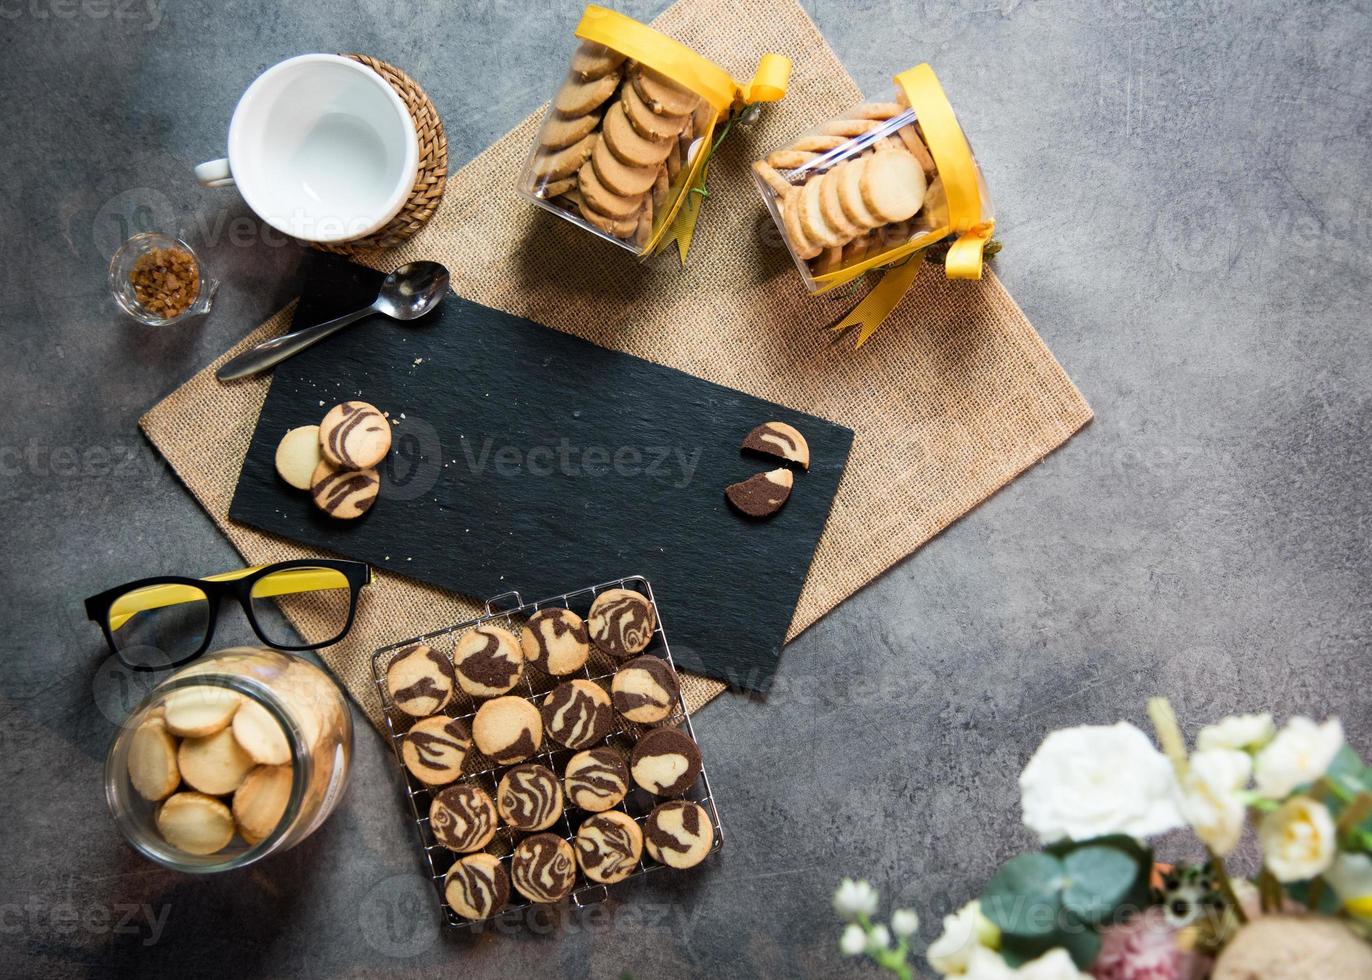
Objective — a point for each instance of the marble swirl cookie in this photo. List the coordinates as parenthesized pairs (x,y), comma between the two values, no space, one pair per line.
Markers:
(488,661)
(420,680)
(665,762)
(608,846)
(354,436)
(645,690)
(554,640)
(463,818)
(507,729)
(621,623)
(543,868)
(678,834)
(529,797)
(596,779)
(435,749)
(779,440)
(342,493)
(762,494)
(477,887)
(577,713)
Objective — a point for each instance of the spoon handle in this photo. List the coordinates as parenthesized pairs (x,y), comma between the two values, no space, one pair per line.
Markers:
(274,351)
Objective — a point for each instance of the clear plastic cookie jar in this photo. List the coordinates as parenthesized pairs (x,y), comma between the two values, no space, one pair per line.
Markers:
(239,755)
(629,130)
(878,183)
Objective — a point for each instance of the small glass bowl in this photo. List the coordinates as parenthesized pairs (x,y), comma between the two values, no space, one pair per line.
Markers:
(121,286)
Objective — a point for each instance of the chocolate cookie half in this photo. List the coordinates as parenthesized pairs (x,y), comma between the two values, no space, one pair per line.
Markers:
(543,868)
(762,494)
(665,762)
(779,440)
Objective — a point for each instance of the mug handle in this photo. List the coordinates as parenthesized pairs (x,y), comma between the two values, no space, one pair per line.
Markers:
(214,173)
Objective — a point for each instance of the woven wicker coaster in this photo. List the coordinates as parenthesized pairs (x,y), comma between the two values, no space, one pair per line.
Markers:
(431,178)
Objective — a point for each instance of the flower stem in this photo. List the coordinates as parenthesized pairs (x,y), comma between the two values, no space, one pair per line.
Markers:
(1227,886)
(1169,734)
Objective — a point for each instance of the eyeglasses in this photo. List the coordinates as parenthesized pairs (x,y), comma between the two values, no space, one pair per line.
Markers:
(157,623)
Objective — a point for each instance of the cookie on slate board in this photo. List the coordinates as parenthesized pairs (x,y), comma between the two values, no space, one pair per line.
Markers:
(609,846)
(488,661)
(297,455)
(463,818)
(420,680)
(577,713)
(476,887)
(555,641)
(678,834)
(354,436)
(435,749)
(508,729)
(529,797)
(762,494)
(341,493)
(543,868)
(596,779)
(779,440)
(665,762)
(645,690)
(621,623)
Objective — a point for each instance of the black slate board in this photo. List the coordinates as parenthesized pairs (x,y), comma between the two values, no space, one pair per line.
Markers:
(525,458)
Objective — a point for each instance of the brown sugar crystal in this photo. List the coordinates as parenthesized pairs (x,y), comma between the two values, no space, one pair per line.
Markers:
(165,281)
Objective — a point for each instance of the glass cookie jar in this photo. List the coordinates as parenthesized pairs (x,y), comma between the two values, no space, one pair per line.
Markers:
(242,754)
(875,184)
(622,142)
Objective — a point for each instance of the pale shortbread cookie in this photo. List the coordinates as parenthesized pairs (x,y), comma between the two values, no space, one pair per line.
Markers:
(591,60)
(192,712)
(297,455)
(260,735)
(214,764)
(795,233)
(662,95)
(507,730)
(578,96)
(152,760)
(892,185)
(628,144)
(849,177)
(195,823)
(261,801)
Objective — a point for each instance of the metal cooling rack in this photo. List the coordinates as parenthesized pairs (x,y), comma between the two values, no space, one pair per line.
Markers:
(509,610)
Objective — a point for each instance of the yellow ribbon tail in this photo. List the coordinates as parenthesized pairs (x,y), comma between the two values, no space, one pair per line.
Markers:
(965,255)
(769,81)
(877,305)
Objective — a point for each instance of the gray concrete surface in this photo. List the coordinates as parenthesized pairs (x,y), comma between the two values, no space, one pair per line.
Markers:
(1184,192)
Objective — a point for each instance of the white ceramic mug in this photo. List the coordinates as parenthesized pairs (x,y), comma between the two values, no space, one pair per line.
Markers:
(321,147)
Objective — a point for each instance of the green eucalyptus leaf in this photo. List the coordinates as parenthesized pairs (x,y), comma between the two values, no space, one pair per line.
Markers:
(1025,896)
(1123,842)
(1346,764)
(1098,879)
(1327,901)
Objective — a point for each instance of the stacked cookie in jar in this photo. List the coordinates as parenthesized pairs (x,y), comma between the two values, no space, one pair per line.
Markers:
(547,751)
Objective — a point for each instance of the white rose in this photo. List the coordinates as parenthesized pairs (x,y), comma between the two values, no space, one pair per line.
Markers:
(987,964)
(963,933)
(1244,732)
(1297,839)
(1096,780)
(1210,800)
(1055,964)
(1299,754)
(1351,878)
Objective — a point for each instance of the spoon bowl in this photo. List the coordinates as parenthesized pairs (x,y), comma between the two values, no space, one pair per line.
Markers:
(412,290)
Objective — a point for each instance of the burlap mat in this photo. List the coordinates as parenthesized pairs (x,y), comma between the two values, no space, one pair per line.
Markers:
(954,397)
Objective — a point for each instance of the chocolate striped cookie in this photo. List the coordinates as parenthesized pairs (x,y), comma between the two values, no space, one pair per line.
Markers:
(762,494)
(355,436)
(477,887)
(645,690)
(665,762)
(508,729)
(554,640)
(341,493)
(529,797)
(488,661)
(621,623)
(435,749)
(779,440)
(608,847)
(543,868)
(679,834)
(420,680)
(463,818)
(577,713)
(596,779)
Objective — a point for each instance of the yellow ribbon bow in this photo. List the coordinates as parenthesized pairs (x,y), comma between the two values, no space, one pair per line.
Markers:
(717,87)
(962,183)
